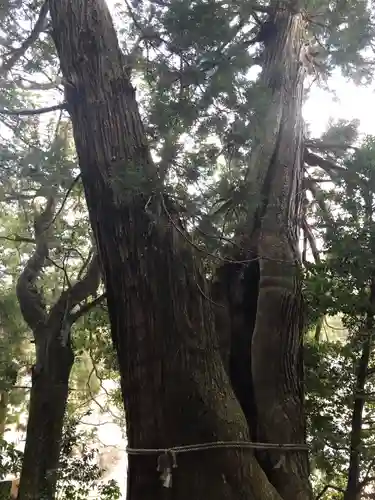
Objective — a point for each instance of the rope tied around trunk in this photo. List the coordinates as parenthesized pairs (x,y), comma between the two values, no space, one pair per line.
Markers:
(167,457)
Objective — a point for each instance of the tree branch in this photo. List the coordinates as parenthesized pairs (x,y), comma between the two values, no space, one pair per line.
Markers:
(18,53)
(31,112)
(17,238)
(74,182)
(328,487)
(316,144)
(318,197)
(85,308)
(77,293)
(29,297)
(311,240)
(317,161)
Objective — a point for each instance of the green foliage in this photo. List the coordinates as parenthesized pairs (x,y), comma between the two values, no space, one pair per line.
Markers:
(341,285)
(10,459)
(79,472)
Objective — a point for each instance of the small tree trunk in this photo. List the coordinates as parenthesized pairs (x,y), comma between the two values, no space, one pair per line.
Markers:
(49,394)
(4,398)
(352,491)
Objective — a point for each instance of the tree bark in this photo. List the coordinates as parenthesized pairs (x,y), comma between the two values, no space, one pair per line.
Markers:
(4,398)
(48,397)
(175,384)
(353,486)
(272,310)
(54,360)
(352,491)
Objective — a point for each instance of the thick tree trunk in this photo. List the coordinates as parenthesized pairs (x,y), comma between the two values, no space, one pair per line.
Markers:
(48,398)
(174,382)
(272,315)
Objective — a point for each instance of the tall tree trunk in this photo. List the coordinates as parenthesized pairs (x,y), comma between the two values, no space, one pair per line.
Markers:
(352,491)
(353,487)
(49,394)
(175,387)
(272,310)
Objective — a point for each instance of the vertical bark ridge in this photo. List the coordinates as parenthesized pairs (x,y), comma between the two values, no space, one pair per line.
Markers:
(276,172)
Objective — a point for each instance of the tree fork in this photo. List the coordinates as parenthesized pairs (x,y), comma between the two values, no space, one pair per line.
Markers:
(174,385)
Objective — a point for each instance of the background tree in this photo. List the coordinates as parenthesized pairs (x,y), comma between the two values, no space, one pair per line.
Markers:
(43,262)
(341,408)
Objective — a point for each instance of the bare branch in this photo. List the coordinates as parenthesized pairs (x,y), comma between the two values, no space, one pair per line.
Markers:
(29,297)
(17,238)
(85,263)
(31,112)
(18,53)
(316,144)
(326,488)
(27,84)
(85,308)
(311,240)
(77,293)
(317,161)
(318,197)
(74,182)
(367,478)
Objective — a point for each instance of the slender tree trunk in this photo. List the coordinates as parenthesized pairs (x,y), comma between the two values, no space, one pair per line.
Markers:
(352,491)
(174,383)
(48,398)
(352,487)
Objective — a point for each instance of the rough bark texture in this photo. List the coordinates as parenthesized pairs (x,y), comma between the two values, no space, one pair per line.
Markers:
(54,360)
(272,312)
(48,399)
(175,382)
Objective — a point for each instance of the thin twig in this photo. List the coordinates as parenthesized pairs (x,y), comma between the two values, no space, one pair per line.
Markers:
(74,182)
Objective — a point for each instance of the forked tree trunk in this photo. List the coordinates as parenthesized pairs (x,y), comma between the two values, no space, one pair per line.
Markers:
(54,360)
(175,387)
